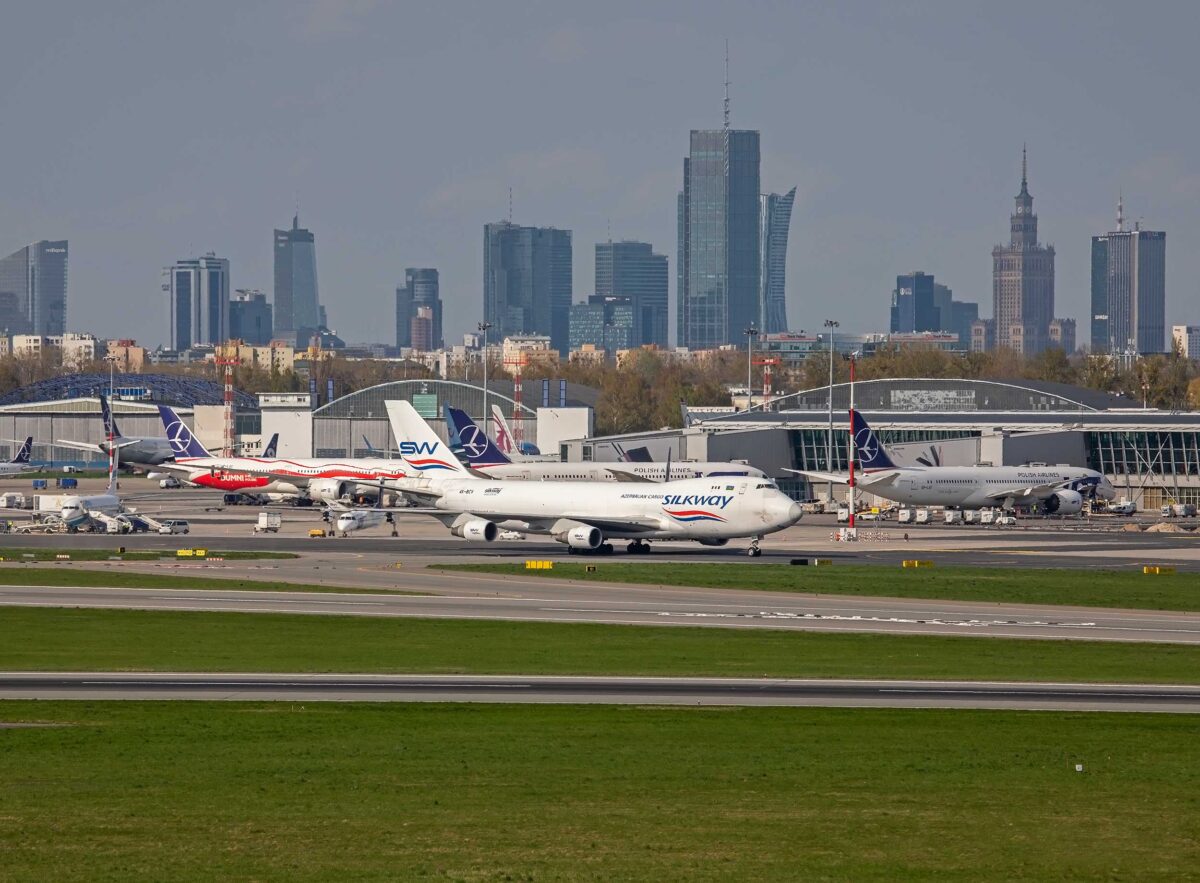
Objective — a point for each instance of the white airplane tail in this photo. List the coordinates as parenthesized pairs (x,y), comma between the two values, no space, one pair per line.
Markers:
(420,448)
(503,435)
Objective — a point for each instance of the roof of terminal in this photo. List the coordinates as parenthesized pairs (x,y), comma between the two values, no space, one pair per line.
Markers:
(159,389)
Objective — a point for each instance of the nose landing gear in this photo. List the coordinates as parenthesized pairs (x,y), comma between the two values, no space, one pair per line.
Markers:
(754,551)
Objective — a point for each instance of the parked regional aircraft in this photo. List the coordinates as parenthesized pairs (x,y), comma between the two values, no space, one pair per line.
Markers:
(1059,490)
(19,463)
(351,520)
(485,457)
(324,480)
(79,509)
(135,451)
(584,516)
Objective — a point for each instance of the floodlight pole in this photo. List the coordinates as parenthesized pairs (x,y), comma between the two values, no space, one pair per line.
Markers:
(483,327)
(750,333)
(830,324)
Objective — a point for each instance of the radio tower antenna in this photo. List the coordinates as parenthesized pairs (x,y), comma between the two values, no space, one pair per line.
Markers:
(726,85)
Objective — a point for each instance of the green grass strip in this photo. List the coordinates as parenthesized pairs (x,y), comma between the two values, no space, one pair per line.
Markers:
(192,791)
(70,576)
(1076,587)
(64,639)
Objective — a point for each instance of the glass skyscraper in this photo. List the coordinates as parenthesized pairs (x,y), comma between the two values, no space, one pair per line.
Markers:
(606,321)
(632,270)
(527,281)
(297,305)
(33,289)
(1129,291)
(720,258)
(199,289)
(776,219)
(250,318)
(420,289)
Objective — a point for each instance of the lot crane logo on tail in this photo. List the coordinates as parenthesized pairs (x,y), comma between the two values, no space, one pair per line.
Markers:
(183,443)
(871,454)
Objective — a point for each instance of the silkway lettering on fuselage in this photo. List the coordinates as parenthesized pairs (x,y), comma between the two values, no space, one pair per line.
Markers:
(696,500)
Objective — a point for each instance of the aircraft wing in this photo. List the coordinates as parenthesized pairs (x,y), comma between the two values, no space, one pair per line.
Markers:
(622,475)
(836,478)
(862,480)
(91,446)
(1036,492)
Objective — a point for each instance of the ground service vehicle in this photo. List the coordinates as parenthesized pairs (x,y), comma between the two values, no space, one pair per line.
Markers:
(172,526)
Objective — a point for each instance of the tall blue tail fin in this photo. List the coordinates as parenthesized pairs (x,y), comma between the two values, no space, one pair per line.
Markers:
(22,455)
(272,447)
(871,453)
(183,443)
(475,444)
(110,424)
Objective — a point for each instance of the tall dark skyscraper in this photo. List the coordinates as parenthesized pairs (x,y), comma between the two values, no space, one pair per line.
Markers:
(914,304)
(420,289)
(1023,281)
(297,305)
(719,277)
(775,218)
(527,281)
(632,270)
(1129,289)
(199,290)
(33,289)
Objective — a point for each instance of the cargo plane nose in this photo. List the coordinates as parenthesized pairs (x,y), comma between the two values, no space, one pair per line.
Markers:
(780,511)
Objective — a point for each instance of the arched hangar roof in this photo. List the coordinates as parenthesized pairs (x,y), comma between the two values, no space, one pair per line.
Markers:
(428,396)
(159,389)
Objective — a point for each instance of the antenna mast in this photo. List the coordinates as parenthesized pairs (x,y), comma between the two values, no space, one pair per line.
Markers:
(726,85)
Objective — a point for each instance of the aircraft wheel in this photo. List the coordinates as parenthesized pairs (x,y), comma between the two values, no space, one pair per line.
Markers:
(633,548)
(605,549)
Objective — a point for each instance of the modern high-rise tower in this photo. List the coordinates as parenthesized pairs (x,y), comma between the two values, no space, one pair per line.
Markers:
(297,305)
(527,281)
(1023,280)
(720,261)
(775,218)
(632,270)
(199,290)
(420,289)
(1129,289)
(33,289)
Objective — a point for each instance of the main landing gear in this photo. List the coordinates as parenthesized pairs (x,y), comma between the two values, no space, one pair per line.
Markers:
(638,547)
(754,551)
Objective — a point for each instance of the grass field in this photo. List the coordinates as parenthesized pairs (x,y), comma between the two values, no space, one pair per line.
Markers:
(49,639)
(17,575)
(1085,588)
(49,554)
(178,791)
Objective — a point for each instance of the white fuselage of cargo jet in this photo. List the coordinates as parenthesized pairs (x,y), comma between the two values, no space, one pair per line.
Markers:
(526,470)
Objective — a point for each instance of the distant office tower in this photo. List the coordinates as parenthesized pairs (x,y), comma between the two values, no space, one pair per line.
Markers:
(720,260)
(421,329)
(33,289)
(199,289)
(775,218)
(250,318)
(983,335)
(1187,339)
(527,282)
(1023,280)
(297,305)
(1129,289)
(420,289)
(606,321)
(633,270)
(913,307)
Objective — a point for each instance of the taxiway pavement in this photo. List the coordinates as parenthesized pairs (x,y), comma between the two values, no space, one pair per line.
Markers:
(98,686)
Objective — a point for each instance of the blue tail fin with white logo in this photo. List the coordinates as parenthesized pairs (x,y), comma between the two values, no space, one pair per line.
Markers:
(475,444)
(183,443)
(110,424)
(420,448)
(25,451)
(272,447)
(871,453)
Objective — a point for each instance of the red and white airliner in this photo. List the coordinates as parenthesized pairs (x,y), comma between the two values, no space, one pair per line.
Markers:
(321,480)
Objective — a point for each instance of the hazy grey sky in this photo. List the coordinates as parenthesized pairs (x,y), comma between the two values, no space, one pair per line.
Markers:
(150,131)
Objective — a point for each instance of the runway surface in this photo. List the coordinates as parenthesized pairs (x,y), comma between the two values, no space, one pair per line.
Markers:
(541,600)
(601,690)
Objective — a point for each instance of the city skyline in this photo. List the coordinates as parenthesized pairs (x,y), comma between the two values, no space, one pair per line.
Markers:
(866,209)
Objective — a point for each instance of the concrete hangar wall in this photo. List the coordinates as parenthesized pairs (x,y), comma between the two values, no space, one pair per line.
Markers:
(1152,457)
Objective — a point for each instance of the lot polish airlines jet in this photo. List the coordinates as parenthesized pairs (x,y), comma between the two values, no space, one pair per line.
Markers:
(483,456)
(584,516)
(1058,490)
(20,462)
(323,480)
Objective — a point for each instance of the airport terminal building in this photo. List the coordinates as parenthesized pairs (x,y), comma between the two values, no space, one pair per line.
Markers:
(1151,457)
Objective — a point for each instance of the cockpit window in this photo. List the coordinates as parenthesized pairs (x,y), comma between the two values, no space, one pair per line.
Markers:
(766,484)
